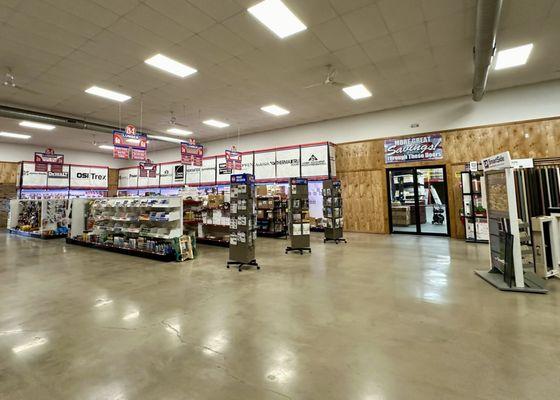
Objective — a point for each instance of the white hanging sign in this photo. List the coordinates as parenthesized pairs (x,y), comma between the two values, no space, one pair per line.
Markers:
(208,171)
(84,177)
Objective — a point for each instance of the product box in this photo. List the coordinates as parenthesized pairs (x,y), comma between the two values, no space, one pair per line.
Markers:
(262,190)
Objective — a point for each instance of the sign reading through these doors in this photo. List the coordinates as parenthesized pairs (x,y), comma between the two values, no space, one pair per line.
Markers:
(417,148)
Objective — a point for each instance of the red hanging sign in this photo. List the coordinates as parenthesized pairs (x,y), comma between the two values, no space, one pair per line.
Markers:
(233,159)
(148,169)
(192,153)
(121,152)
(48,157)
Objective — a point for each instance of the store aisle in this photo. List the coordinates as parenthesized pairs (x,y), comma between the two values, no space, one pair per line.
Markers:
(383,317)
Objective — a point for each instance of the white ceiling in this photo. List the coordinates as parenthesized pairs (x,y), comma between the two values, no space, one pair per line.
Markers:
(404,51)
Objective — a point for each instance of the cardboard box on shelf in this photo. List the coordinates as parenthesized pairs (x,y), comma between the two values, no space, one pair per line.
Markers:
(262,190)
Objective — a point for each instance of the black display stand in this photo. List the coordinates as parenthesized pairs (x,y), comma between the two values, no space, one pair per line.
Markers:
(298,211)
(471,183)
(332,211)
(242,222)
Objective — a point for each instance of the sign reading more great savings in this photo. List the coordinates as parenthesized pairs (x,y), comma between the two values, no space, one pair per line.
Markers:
(418,148)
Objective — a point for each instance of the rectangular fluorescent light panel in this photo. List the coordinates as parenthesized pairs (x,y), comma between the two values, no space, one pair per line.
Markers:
(357,92)
(216,123)
(165,139)
(513,57)
(275,110)
(177,131)
(106,147)
(169,65)
(37,125)
(277,17)
(12,135)
(108,94)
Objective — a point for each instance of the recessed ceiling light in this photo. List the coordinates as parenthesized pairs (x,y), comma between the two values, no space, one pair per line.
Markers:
(106,147)
(14,135)
(169,65)
(216,123)
(108,94)
(277,17)
(37,125)
(165,139)
(275,110)
(177,131)
(513,57)
(357,92)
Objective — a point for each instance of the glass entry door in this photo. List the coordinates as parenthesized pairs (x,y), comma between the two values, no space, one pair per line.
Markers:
(418,200)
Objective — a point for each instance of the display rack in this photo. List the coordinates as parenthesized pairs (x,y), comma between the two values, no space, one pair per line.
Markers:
(272,216)
(474,207)
(332,211)
(142,226)
(243,232)
(43,219)
(298,212)
(207,215)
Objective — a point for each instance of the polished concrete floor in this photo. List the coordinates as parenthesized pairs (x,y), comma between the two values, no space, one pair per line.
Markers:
(382,317)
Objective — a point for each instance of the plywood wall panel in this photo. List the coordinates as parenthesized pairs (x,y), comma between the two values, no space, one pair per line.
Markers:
(8,172)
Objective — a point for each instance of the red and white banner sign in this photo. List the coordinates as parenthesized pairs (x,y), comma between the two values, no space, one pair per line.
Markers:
(121,152)
(48,157)
(138,154)
(147,170)
(233,160)
(192,153)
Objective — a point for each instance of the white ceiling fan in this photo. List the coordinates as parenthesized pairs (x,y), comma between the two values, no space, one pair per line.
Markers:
(10,82)
(329,79)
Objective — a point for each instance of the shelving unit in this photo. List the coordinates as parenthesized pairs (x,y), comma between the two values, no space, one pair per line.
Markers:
(208,217)
(404,213)
(298,212)
(272,216)
(141,226)
(332,211)
(43,219)
(243,233)
(474,207)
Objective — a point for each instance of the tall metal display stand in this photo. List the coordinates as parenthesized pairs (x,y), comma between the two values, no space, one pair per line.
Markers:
(298,211)
(243,231)
(332,211)
(474,207)
(506,263)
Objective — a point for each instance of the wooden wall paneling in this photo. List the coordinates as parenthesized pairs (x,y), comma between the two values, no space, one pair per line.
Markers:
(8,172)
(113,182)
(8,189)
(457,229)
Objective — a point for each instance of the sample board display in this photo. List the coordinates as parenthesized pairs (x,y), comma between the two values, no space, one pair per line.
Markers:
(243,227)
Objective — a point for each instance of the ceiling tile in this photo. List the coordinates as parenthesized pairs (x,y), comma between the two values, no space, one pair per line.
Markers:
(453,27)
(218,9)
(32,40)
(334,34)
(136,33)
(381,48)
(401,14)
(159,24)
(520,12)
(352,57)
(412,39)
(439,8)
(222,37)
(420,60)
(344,6)
(311,12)
(183,13)
(366,23)
(197,50)
(244,25)
(87,10)
(307,46)
(119,7)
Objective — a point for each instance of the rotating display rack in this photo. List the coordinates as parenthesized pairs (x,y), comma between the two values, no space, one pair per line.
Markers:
(332,211)
(298,211)
(243,233)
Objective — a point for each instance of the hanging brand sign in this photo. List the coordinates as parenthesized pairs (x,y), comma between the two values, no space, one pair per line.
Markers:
(233,160)
(418,148)
(129,144)
(48,157)
(314,161)
(89,177)
(147,170)
(191,153)
(497,162)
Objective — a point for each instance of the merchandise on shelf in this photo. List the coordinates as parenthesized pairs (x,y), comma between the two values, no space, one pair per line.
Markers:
(206,213)
(298,212)
(45,218)
(137,225)
(272,216)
